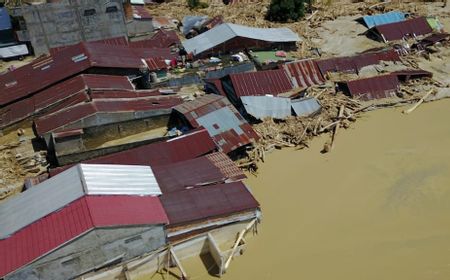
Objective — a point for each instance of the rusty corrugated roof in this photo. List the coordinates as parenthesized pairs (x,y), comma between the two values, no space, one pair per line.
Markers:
(261,83)
(398,30)
(184,207)
(225,125)
(356,62)
(372,88)
(69,115)
(304,73)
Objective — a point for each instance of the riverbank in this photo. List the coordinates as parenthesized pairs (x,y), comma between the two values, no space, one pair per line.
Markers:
(376,207)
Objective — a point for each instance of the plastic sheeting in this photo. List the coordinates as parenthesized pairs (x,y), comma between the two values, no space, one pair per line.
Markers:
(13,51)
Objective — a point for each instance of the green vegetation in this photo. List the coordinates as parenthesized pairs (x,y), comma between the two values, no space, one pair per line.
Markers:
(196,4)
(286,10)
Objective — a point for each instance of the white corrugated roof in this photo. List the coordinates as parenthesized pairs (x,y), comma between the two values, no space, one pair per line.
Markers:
(267,106)
(227,31)
(83,179)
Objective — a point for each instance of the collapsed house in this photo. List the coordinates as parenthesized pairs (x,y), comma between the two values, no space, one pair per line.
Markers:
(83,219)
(225,125)
(228,37)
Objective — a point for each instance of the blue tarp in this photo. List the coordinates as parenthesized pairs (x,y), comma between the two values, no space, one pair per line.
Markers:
(375,20)
(5,21)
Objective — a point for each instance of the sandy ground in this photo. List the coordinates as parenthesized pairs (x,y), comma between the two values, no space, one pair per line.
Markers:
(376,207)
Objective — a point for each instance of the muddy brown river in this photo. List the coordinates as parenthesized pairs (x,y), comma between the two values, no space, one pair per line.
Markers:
(376,207)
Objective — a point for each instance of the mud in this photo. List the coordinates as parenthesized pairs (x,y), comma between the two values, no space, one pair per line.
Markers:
(376,207)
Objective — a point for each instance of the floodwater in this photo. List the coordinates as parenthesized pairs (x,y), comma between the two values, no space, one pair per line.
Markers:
(376,207)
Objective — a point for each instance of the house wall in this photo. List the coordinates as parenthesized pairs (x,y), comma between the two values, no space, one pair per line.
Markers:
(71,21)
(94,249)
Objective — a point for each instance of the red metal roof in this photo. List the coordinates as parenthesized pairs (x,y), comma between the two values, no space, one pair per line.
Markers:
(206,170)
(197,204)
(140,13)
(398,30)
(66,116)
(101,94)
(356,62)
(161,39)
(156,64)
(261,83)
(434,38)
(72,221)
(67,93)
(404,75)
(372,88)
(68,62)
(217,84)
(117,41)
(305,73)
(225,125)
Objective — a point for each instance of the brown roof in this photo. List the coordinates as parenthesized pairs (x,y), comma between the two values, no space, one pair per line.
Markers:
(398,30)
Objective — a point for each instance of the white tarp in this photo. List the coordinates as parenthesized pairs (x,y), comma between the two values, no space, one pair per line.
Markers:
(13,51)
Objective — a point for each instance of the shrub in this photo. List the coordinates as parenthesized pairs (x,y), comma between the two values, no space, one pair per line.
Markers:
(286,10)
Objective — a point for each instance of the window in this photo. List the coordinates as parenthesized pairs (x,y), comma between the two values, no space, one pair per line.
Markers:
(111,9)
(89,12)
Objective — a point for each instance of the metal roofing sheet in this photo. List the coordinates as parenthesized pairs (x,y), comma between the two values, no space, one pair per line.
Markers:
(227,31)
(398,30)
(404,75)
(68,62)
(261,83)
(161,39)
(306,106)
(262,107)
(223,122)
(373,88)
(304,73)
(356,62)
(226,166)
(390,17)
(197,204)
(239,68)
(77,113)
(141,13)
(70,185)
(72,221)
(188,174)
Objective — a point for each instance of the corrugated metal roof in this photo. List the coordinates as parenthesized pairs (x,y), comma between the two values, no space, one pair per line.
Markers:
(197,204)
(261,83)
(58,191)
(239,68)
(262,107)
(74,220)
(161,39)
(141,13)
(198,172)
(75,114)
(304,73)
(227,31)
(434,38)
(404,75)
(380,19)
(223,122)
(306,106)
(61,95)
(356,62)
(372,88)
(398,30)
(68,62)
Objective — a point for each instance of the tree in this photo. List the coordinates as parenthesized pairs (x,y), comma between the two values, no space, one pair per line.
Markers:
(285,10)
(193,3)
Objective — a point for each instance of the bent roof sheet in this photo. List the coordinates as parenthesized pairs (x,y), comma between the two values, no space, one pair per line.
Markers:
(227,31)
(68,62)
(70,185)
(261,83)
(267,106)
(74,220)
(390,17)
(356,62)
(70,115)
(398,30)
(197,204)
(374,87)
(209,169)
(304,73)
(223,122)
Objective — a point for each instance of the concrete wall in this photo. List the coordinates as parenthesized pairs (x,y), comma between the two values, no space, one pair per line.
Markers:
(94,249)
(71,21)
